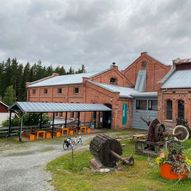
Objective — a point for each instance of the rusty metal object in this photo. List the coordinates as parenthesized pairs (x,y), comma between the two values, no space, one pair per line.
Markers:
(108,151)
(157,135)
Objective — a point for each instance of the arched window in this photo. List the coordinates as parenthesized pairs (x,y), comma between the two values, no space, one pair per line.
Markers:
(113,81)
(169,109)
(180,109)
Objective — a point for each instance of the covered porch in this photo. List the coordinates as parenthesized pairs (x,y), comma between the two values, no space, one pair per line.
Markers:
(21,108)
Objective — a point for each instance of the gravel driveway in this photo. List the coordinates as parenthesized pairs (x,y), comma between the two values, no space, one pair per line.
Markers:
(22,166)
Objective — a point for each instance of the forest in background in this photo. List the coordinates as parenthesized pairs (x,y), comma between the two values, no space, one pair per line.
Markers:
(14,75)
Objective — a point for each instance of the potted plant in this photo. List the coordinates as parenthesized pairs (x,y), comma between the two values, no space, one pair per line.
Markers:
(174,165)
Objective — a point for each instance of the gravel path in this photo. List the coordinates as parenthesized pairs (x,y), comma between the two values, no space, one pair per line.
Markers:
(22,167)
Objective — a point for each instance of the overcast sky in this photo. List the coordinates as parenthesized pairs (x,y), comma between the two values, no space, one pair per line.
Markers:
(94,32)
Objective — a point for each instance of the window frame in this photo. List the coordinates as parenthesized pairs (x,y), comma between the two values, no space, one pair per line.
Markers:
(58,90)
(45,91)
(169,110)
(76,88)
(179,113)
(138,104)
(113,81)
(33,91)
(150,105)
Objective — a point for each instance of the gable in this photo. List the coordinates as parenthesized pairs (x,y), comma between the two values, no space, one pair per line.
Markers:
(111,75)
(3,108)
(155,71)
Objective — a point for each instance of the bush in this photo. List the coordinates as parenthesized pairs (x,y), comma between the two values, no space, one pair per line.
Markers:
(29,119)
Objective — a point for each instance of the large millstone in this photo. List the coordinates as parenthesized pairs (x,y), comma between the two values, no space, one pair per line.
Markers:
(101,147)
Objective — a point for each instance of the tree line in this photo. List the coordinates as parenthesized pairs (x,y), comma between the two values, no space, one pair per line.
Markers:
(14,75)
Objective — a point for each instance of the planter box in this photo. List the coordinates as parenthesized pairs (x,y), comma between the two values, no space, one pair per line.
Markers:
(167,173)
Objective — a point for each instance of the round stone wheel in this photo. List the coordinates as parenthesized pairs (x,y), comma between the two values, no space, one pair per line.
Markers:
(184,133)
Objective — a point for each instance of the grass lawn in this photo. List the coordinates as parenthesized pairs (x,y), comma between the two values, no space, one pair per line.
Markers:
(143,176)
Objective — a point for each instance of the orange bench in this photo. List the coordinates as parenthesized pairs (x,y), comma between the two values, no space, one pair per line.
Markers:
(31,136)
(65,130)
(83,129)
(41,133)
(48,135)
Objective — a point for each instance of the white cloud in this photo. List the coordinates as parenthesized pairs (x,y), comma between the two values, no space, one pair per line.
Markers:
(94,32)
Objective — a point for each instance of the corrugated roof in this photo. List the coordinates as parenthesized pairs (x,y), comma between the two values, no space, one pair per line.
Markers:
(179,79)
(144,94)
(123,91)
(39,107)
(64,79)
(141,80)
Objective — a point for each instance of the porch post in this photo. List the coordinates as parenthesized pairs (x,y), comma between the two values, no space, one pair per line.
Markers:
(21,127)
(53,126)
(40,120)
(78,120)
(66,119)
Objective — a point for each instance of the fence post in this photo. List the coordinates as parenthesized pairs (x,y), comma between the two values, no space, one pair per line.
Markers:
(9,131)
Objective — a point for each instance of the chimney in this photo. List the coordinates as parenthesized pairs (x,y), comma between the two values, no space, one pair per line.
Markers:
(143,53)
(114,66)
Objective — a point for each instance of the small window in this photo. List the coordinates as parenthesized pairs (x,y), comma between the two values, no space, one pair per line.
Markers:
(143,65)
(45,91)
(59,90)
(169,109)
(33,91)
(113,81)
(61,114)
(76,90)
(152,105)
(141,104)
(56,114)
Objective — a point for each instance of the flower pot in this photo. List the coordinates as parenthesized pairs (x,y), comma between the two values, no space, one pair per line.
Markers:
(167,173)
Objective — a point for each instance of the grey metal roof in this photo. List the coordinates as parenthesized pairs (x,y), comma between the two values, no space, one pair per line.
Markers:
(61,80)
(144,94)
(123,91)
(141,80)
(39,107)
(178,79)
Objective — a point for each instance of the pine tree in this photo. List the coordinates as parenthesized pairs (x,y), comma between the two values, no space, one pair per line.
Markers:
(9,97)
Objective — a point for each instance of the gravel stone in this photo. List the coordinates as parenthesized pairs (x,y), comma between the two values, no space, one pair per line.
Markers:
(23,168)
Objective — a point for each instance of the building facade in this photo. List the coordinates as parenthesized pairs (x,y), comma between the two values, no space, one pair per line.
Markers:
(131,93)
(175,95)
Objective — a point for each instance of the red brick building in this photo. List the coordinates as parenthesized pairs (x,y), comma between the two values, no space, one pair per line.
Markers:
(130,93)
(3,112)
(175,95)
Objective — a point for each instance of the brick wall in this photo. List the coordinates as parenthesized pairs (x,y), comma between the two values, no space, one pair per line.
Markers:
(112,73)
(174,95)
(155,71)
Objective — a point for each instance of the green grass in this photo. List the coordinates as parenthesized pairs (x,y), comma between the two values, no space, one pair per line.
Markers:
(143,176)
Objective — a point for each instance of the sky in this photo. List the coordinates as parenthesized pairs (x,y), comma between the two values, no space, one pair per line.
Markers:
(94,32)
